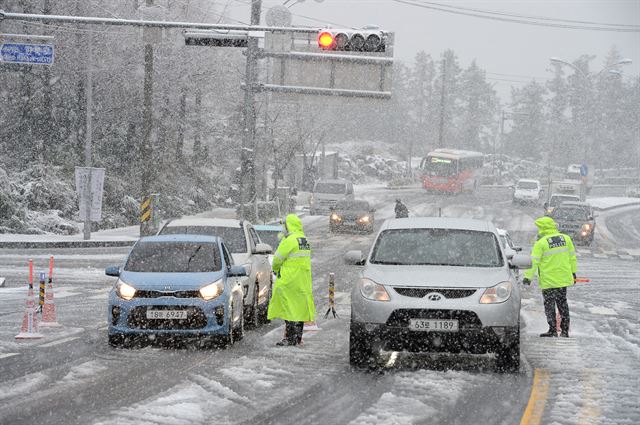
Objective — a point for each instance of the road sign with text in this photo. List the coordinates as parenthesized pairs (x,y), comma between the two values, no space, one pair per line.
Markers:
(31,54)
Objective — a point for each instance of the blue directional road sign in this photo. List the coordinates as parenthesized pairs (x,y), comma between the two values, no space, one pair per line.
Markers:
(35,54)
(584,170)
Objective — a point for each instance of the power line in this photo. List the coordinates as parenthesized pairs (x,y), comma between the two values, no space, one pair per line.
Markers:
(514,15)
(248,2)
(514,20)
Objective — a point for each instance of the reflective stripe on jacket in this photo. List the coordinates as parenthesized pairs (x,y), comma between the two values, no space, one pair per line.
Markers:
(553,257)
(292,296)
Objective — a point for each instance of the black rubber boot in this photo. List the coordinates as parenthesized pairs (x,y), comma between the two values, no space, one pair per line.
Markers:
(549,333)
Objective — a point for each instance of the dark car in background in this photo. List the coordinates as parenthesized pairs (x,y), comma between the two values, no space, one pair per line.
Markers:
(354,216)
(575,219)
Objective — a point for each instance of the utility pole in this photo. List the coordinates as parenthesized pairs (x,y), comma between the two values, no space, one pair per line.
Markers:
(442,104)
(147,119)
(88,148)
(47,123)
(247,155)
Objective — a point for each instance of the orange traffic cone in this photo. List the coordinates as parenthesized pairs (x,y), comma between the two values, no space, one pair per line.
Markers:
(29,329)
(49,317)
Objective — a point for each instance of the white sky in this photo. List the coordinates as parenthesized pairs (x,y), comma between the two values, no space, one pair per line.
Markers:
(507,51)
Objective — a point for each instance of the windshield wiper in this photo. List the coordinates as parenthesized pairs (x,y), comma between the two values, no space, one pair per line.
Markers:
(192,256)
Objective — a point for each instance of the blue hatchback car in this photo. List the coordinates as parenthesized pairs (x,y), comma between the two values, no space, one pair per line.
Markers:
(177,285)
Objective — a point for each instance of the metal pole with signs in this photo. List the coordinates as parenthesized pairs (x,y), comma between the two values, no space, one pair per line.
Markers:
(89,187)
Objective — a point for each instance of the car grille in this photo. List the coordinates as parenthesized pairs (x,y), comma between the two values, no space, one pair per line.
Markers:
(400,317)
(137,318)
(447,293)
(175,294)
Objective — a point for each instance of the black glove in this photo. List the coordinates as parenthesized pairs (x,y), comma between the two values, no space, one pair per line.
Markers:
(526,281)
(574,277)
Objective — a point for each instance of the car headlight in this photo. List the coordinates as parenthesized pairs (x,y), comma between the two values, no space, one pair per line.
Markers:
(586,227)
(211,291)
(496,294)
(364,219)
(372,291)
(124,290)
(335,217)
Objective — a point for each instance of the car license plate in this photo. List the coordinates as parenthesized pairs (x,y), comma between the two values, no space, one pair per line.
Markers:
(433,325)
(167,314)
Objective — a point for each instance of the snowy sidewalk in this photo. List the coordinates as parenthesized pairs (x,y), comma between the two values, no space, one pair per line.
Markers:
(591,377)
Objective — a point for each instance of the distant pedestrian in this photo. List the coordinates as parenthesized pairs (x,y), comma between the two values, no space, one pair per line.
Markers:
(553,259)
(292,296)
(401,209)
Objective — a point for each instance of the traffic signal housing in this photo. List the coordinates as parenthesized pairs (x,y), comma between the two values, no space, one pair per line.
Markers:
(352,40)
(216,38)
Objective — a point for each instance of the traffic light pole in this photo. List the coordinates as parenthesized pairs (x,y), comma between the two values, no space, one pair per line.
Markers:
(248,153)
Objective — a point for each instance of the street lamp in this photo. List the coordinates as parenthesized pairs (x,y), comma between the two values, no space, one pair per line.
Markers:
(625,61)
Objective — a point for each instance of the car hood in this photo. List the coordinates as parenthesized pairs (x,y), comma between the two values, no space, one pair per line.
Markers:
(436,276)
(169,281)
(527,191)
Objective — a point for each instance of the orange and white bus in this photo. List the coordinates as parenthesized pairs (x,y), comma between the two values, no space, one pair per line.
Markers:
(451,170)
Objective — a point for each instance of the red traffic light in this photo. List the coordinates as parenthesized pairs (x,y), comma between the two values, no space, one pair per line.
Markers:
(365,40)
(325,40)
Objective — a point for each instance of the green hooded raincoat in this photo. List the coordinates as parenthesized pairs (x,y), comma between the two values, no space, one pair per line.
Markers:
(553,256)
(292,297)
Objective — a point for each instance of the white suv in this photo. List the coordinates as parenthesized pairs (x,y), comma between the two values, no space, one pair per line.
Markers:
(326,193)
(527,191)
(436,284)
(246,249)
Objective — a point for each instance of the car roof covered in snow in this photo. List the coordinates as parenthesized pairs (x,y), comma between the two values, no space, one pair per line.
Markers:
(213,222)
(529,181)
(439,223)
(268,227)
(180,238)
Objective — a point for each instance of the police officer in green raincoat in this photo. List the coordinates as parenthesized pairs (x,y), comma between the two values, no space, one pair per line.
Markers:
(554,259)
(292,296)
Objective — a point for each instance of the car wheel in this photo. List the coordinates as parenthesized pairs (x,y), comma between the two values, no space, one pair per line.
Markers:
(361,350)
(508,354)
(264,310)
(238,332)
(116,340)
(252,316)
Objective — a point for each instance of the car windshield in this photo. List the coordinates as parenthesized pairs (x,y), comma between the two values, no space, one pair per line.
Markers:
(564,213)
(269,237)
(326,187)
(557,200)
(233,236)
(353,205)
(527,185)
(174,257)
(446,247)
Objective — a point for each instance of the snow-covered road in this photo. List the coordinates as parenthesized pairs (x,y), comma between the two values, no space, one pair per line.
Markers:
(73,377)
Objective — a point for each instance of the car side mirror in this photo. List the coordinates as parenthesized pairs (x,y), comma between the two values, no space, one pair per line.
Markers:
(354,258)
(263,249)
(373,210)
(516,248)
(520,261)
(545,205)
(112,271)
(237,271)
(509,253)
